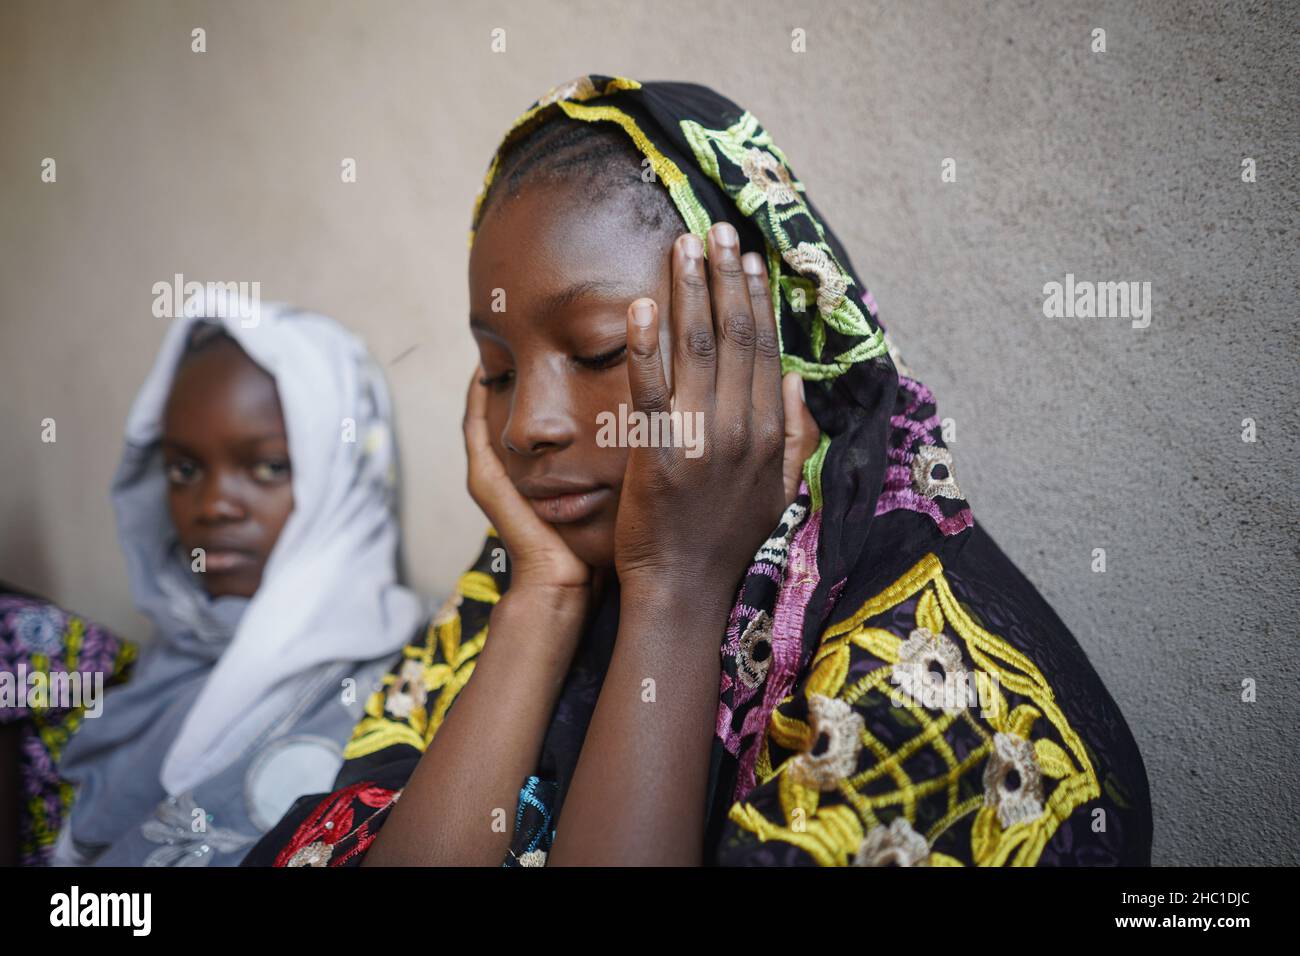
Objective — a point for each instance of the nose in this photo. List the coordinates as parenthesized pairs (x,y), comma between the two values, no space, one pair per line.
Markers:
(219,500)
(540,418)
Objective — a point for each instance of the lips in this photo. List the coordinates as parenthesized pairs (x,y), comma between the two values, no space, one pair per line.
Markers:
(560,501)
(226,560)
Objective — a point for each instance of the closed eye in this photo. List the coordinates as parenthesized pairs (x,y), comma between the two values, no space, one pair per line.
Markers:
(603,361)
(607,360)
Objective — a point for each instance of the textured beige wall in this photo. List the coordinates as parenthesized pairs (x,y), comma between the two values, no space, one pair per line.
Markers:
(1070,435)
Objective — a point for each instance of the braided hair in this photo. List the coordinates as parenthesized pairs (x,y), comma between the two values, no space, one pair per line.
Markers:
(598,156)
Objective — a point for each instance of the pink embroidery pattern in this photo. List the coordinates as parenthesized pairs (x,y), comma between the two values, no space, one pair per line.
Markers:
(915,459)
(797,576)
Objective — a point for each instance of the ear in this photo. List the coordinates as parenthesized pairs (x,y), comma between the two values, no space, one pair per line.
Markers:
(801,433)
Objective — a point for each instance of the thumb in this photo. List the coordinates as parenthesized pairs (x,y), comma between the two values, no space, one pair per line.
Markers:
(801,433)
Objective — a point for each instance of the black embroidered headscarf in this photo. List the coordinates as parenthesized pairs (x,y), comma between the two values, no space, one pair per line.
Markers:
(890,679)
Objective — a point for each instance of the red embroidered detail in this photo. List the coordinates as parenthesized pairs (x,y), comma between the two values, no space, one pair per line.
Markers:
(333,818)
(364,836)
(376,797)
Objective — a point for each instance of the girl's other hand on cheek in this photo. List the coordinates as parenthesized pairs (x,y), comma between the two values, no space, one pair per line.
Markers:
(539,558)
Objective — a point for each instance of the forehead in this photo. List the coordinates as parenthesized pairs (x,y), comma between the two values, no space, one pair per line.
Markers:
(553,239)
(220,383)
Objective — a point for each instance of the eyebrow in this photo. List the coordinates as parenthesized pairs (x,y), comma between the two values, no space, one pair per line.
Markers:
(568,296)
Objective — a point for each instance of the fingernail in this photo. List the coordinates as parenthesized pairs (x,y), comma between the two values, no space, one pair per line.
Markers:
(752,263)
(643,313)
(724,234)
(691,246)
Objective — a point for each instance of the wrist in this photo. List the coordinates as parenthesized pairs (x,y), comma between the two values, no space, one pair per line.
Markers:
(536,625)
(674,599)
(545,603)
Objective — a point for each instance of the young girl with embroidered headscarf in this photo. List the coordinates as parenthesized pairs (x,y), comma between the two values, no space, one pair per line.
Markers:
(685,658)
(256,509)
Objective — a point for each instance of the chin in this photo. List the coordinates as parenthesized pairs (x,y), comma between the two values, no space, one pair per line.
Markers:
(219,586)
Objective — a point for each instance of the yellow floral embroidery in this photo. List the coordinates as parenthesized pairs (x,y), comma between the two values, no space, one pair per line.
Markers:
(1028,771)
(436,667)
(895,845)
(407,692)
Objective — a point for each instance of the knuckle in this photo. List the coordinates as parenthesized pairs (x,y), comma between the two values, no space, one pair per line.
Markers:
(693,285)
(699,344)
(735,437)
(739,328)
(766,343)
(651,399)
(729,269)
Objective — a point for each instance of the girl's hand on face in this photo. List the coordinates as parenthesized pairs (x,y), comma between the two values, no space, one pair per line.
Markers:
(538,555)
(695,521)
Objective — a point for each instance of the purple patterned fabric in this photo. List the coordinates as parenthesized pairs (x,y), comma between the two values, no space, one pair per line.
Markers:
(916,427)
(37,641)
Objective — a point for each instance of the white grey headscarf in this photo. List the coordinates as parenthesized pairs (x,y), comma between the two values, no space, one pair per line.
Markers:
(224,674)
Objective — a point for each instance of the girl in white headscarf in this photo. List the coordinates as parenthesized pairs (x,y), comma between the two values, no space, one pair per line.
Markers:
(267,560)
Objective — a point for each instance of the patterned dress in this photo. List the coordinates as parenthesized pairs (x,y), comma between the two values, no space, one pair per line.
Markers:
(840,751)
